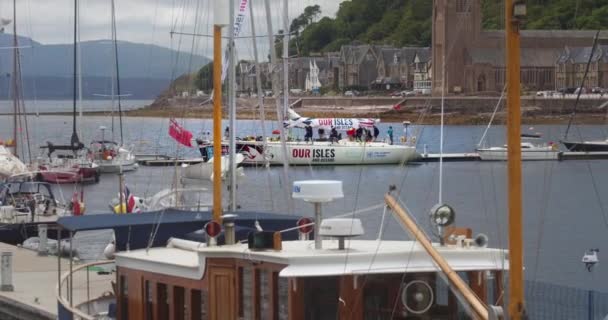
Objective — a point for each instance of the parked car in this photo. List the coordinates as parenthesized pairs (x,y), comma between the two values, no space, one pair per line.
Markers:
(351,93)
(566,90)
(407,93)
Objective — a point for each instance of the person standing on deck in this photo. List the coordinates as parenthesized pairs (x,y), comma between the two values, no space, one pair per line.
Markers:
(308,135)
(390,134)
(227,133)
(376,133)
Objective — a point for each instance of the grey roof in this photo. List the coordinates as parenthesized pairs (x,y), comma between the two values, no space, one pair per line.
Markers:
(581,54)
(424,54)
(529,57)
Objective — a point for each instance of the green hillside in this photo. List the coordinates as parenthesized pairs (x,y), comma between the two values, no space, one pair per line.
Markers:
(408,22)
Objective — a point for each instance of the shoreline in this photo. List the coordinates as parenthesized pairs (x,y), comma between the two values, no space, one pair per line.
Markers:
(384,115)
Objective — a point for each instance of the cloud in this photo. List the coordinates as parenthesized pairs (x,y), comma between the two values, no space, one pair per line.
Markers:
(146,21)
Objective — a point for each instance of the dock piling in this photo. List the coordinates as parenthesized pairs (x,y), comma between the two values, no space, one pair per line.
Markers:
(6,271)
(43,244)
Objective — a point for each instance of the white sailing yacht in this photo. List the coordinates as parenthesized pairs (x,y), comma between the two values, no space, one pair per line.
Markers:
(110,156)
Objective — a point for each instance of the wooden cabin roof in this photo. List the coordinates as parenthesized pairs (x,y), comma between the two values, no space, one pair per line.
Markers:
(187,258)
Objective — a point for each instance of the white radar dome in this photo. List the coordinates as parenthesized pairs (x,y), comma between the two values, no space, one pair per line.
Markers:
(317,190)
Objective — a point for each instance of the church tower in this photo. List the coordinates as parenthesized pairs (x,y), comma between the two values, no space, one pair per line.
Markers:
(456,26)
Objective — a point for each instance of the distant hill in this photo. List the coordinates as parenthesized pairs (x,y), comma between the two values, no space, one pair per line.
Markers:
(145,70)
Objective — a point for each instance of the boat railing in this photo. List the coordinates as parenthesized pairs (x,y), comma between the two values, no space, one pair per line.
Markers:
(76,304)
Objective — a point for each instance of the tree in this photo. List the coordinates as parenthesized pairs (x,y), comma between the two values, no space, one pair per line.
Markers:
(204,78)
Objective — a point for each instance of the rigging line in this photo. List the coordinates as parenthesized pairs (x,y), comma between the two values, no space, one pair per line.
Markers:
(498,104)
(580,88)
(441,134)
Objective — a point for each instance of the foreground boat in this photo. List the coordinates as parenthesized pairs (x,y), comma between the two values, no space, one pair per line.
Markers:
(343,152)
(529,151)
(24,207)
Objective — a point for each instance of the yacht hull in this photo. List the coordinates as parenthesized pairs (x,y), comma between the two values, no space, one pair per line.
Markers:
(326,153)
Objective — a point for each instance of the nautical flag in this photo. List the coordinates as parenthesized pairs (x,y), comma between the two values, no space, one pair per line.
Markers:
(180,134)
(397,106)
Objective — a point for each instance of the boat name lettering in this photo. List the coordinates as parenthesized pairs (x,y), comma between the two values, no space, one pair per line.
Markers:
(314,153)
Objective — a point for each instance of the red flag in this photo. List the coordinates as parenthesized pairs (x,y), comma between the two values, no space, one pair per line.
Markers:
(180,134)
(397,106)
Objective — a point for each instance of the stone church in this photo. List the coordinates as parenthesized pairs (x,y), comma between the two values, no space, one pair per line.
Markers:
(474,59)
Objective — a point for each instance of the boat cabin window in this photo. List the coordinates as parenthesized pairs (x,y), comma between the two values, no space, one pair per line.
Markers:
(149,302)
(124,296)
(264,301)
(162,302)
(179,304)
(320,296)
(245,299)
(283,296)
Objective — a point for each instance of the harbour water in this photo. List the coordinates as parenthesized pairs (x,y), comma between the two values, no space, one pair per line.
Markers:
(565,203)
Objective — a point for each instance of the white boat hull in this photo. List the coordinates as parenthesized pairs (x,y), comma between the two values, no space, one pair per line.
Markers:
(327,153)
(114,166)
(204,170)
(500,154)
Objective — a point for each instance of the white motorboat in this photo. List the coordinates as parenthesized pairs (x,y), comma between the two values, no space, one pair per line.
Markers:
(343,152)
(9,164)
(529,151)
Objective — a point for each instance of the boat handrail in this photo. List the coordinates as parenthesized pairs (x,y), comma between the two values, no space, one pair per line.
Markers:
(64,302)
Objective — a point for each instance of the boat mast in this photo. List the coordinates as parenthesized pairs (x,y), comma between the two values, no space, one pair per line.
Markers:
(513,13)
(79,74)
(275,90)
(232,107)
(75,142)
(258,79)
(116,71)
(217,112)
(14,81)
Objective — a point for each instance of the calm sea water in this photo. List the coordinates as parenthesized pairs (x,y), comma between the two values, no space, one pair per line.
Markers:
(565,203)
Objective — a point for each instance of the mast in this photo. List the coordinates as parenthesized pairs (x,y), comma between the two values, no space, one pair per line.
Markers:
(513,12)
(275,89)
(232,106)
(258,78)
(14,81)
(75,142)
(217,118)
(116,71)
(79,75)
(285,60)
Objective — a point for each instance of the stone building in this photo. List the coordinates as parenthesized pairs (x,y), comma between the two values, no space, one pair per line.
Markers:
(572,62)
(379,67)
(474,58)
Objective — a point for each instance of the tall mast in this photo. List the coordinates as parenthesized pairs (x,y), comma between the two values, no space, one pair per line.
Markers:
(79,74)
(116,73)
(75,142)
(232,108)
(14,81)
(275,89)
(217,121)
(258,78)
(285,59)
(516,257)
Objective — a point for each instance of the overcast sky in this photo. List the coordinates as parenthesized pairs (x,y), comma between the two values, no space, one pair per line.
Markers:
(144,21)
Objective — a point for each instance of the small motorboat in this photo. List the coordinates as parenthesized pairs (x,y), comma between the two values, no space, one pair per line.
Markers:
(590,258)
(587,146)
(529,151)
(110,156)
